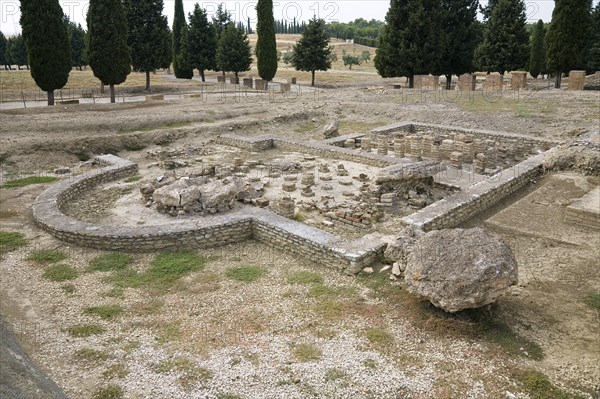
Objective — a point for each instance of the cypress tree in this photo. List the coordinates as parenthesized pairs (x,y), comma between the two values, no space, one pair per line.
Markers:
(312,52)
(179,26)
(266,47)
(77,42)
(233,50)
(202,43)
(389,58)
(47,43)
(593,55)
(568,35)
(107,39)
(459,25)
(219,22)
(17,52)
(148,36)
(505,44)
(537,62)
(3,57)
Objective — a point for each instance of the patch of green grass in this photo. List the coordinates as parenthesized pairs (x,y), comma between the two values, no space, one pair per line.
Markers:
(107,312)
(538,386)
(118,370)
(370,364)
(191,372)
(85,330)
(110,262)
(334,374)
(163,273)
(593,301)
(109,392)
(132,179)
(306,352)
(379,337)
(10,240)
(59,273)
(329,310)
(246,274)
(90,354)
(305,277)
(26,181)
(47,256)
(68,288)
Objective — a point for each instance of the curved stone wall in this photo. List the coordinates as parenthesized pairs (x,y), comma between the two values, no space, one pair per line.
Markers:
(206,231)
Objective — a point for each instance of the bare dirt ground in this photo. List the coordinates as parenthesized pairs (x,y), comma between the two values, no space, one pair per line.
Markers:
(210,336)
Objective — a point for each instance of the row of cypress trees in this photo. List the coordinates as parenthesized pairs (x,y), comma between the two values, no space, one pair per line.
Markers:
(443,37)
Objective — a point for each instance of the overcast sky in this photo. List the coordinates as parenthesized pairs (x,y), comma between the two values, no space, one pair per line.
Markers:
(342,11)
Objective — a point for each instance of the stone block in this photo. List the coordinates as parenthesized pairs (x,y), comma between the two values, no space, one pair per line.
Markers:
(467,82)
(576,80)
(518,80)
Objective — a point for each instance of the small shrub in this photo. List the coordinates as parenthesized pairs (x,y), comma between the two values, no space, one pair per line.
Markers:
(26,181)
(110,262)
(83,156)
(91,354)
(85,330)
(538,386)
(104,312)
(306,352)
(68,288)
(246,274)
(9,241)
(109,392)
(305,277)
(59,273)
(47,256)
(118,370)
(593,301)
(334,374)
(370,363)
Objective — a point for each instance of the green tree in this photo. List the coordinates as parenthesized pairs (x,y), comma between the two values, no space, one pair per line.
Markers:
(179,28)
(593,55)
(505,45)
(537,62)
(221,19)
(3,47)
(77,42)
(148,36)
(411,42)
(568,36)
(350,60)
(16,52)
(107,39)
(365,56)
(47,43)
(266,47)
(202,43)
(312,51)
(459,26)
(233,50)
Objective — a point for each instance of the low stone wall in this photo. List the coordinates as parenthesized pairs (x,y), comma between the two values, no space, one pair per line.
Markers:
(207,231)
(584,212)
(451,211)
(325,149)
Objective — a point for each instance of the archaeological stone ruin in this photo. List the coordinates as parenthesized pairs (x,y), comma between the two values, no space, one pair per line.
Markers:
(344,202)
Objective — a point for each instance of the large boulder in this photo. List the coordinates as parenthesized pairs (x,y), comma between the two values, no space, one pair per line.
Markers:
(331,129)
(458,269)
(179,195)
(218,196)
